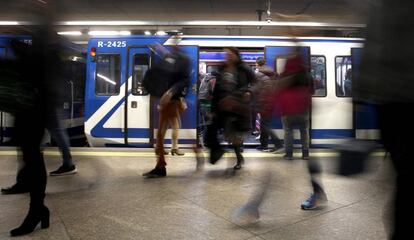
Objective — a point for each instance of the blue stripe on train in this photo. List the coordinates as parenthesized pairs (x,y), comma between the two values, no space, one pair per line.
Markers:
(331,133)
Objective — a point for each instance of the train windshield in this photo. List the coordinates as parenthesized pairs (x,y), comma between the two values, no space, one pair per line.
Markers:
(108,74)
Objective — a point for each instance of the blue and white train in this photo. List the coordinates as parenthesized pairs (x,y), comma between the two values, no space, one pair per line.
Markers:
(73,106)
(119,112)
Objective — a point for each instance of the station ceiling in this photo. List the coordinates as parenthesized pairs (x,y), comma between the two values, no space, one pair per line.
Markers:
(171,11)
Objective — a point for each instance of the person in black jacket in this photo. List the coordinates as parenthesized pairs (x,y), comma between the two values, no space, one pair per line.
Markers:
(33,64)
(386,81)
(230,106)
(178,78)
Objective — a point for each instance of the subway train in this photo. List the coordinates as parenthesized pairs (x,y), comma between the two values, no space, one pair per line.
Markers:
(120,112)
(73,105)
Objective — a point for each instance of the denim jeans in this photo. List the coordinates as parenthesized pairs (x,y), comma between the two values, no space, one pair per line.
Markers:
(266,131)
(301,122)
(60,135)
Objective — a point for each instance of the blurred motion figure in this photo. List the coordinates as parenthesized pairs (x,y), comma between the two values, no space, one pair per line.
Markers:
(31,65)
(294,91)
(168,80)
(231,106)
(387,80)
(263,89)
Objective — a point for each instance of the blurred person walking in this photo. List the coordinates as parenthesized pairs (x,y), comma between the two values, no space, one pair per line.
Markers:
(387,80)
(293,102)
(168,80)
(264,87)
(32,65)
(231,106)
(54,105)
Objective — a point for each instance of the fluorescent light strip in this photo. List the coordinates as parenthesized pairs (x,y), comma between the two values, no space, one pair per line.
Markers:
(160,33)
(109,33)
(8,23)
(211,23)
(70,33)
(104,23)
(106,79)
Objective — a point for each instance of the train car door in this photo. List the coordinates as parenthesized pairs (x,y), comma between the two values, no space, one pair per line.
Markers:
(188,133)
(365,115)
(137,126)
(276,58)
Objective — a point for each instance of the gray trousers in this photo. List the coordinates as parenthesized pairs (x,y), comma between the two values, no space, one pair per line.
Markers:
(297,121)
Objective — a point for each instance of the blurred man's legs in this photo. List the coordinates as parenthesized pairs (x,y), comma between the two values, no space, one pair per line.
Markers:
(266,131)
(288,129)
(304,137)
(397,134)
(60,135)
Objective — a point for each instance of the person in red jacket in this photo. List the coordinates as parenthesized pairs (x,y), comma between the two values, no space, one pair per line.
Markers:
(293,103)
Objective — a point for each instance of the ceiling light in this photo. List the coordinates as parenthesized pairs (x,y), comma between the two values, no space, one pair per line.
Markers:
(160,33)
(147,33)
(6,23)
(109,33)
(71,33)
(104,23)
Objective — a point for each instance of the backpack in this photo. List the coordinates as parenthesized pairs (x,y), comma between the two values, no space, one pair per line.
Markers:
(205,90)
(157,79)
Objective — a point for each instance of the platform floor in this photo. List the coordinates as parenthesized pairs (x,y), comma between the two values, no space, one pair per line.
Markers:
(109,199)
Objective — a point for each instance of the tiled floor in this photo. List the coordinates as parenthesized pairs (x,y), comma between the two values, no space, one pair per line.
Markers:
(108,198)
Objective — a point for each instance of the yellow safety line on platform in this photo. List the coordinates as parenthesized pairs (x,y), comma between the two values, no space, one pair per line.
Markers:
(187,154)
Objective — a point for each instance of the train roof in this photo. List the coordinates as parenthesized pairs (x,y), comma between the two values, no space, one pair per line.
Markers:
(235,38)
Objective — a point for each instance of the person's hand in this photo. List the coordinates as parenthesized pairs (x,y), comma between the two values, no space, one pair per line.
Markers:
(165,99)
(247,97)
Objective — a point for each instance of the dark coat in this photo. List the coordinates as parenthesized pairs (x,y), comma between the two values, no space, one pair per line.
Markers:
(387,64)
(244,77)
(264,89)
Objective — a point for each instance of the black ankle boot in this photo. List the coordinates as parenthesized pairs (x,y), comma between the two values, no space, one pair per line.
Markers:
(288,155)
(238,166)
(157,172)
(240,159)
(33,218)
(305,154)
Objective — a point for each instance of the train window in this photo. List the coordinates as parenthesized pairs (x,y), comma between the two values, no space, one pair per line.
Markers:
(141,65)
(74,73)
(343,73)
(318,72)
(108,74)
(280,64)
